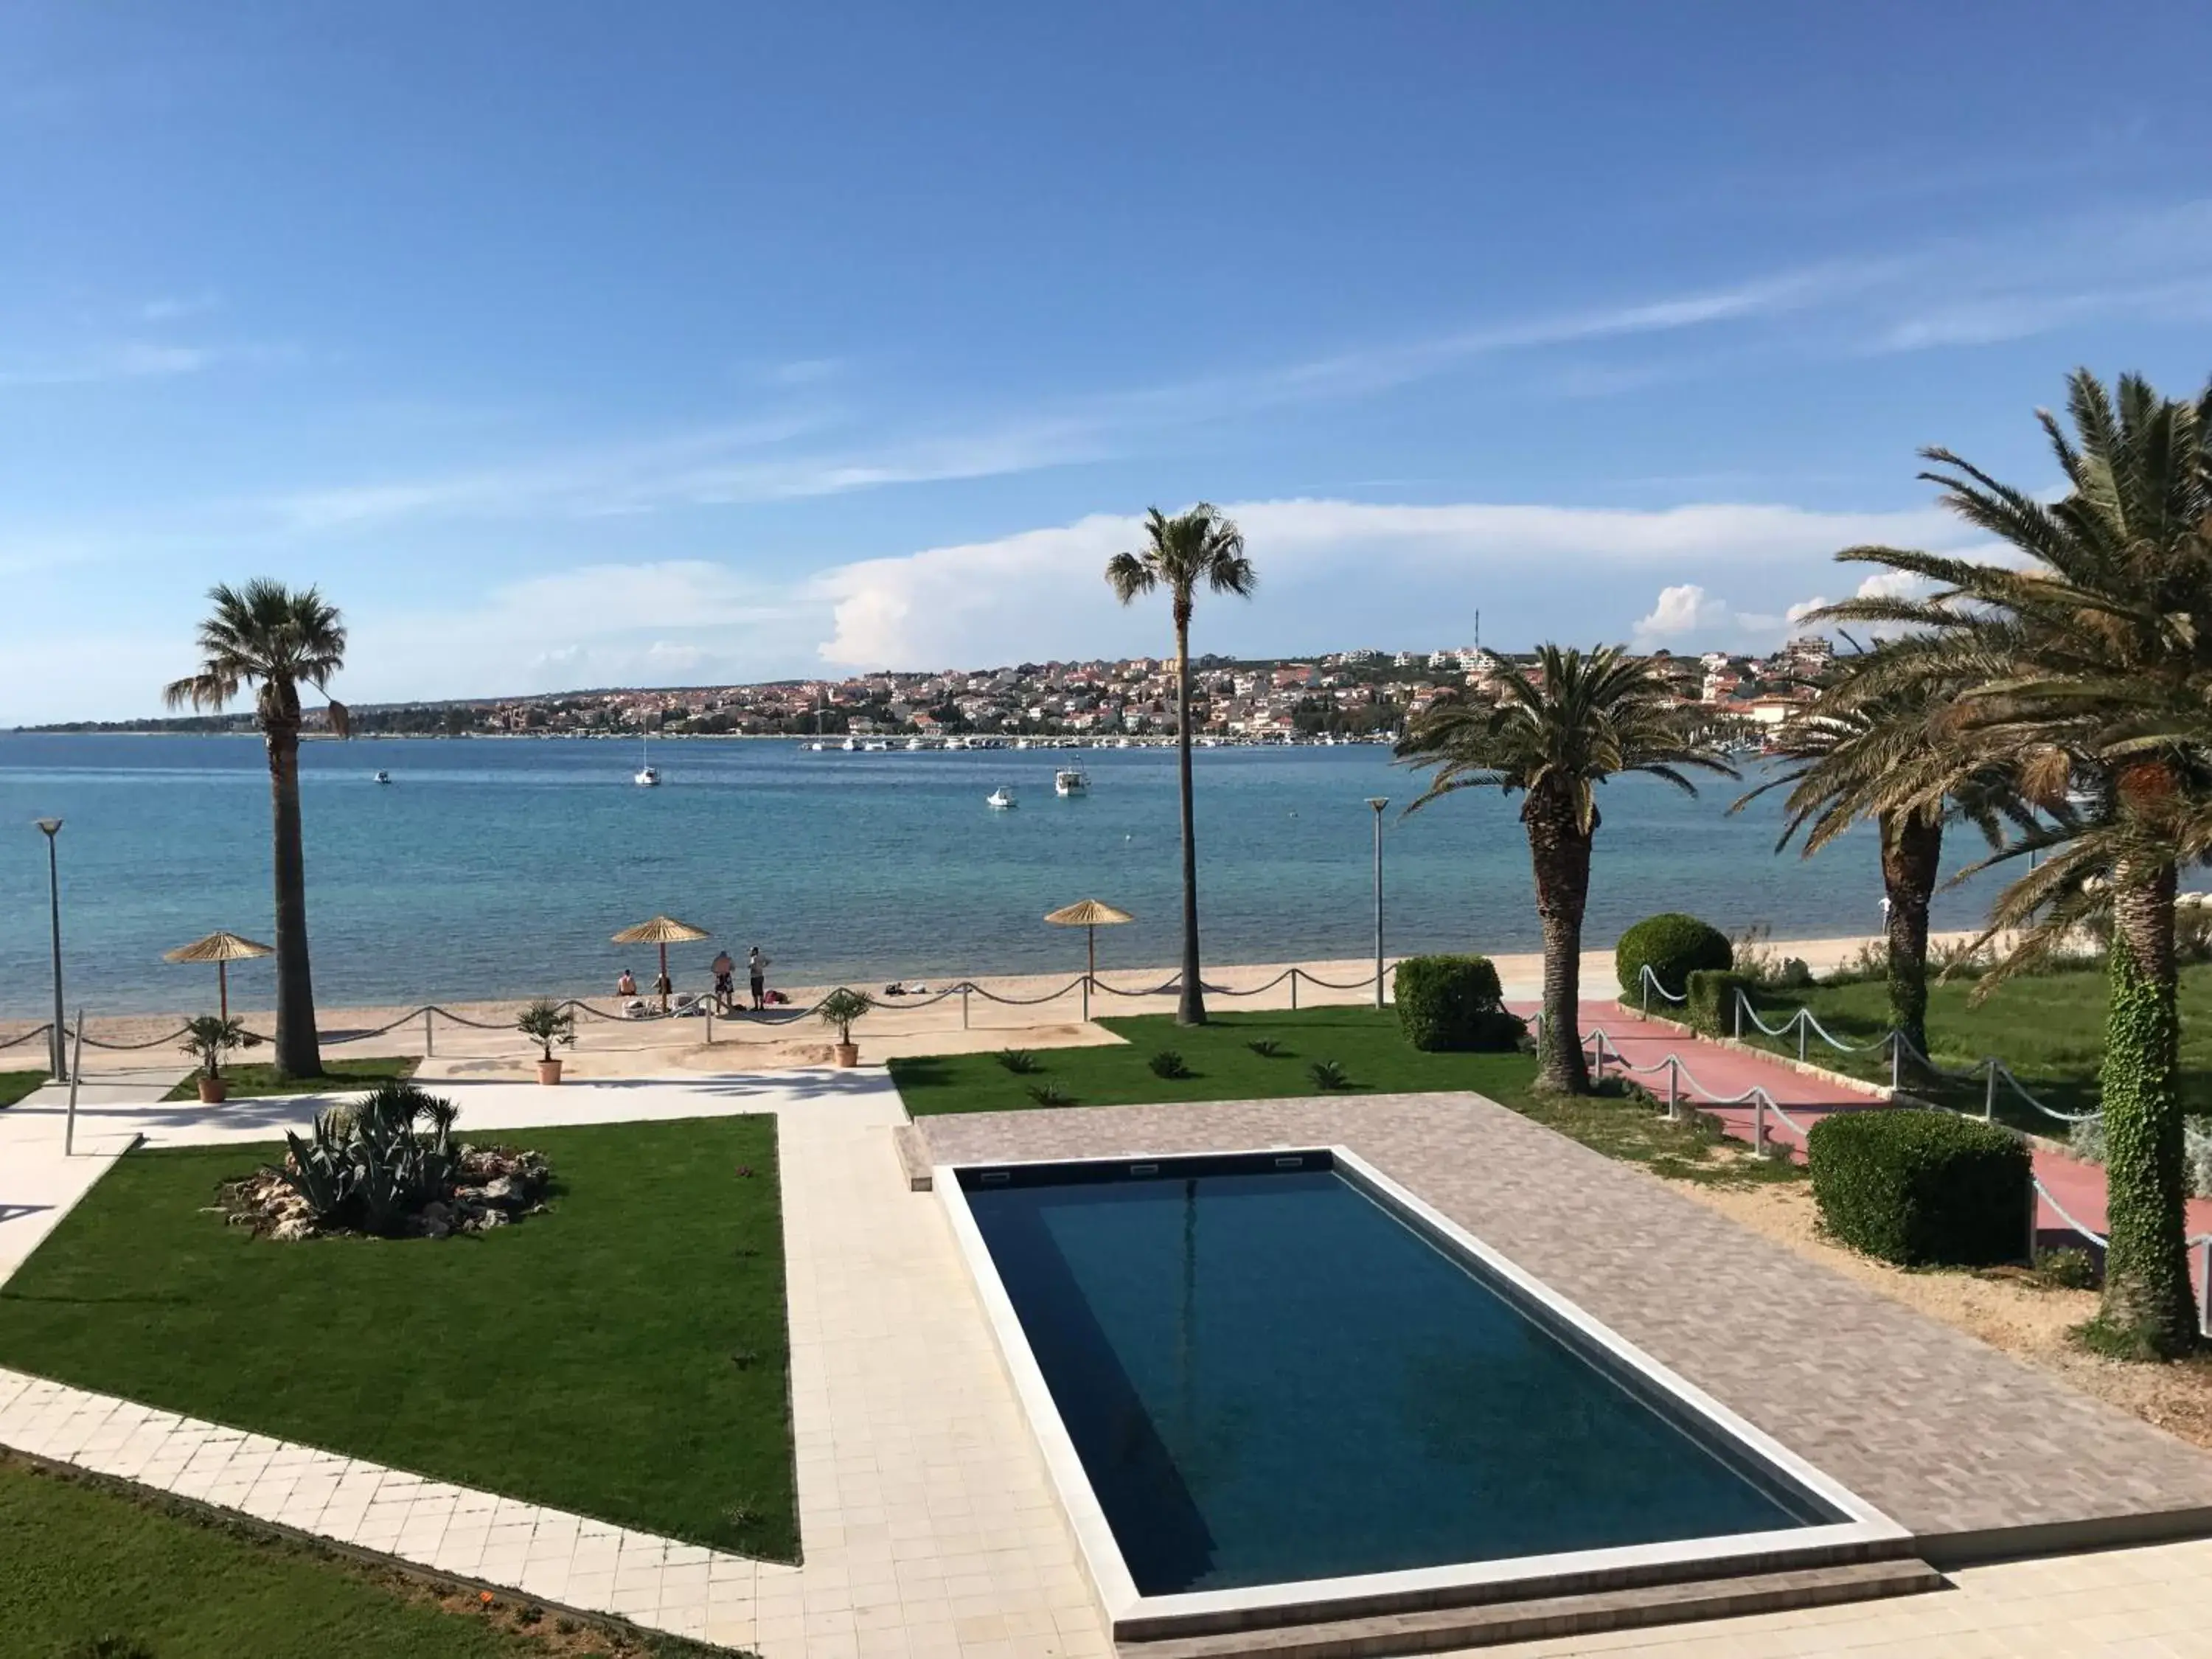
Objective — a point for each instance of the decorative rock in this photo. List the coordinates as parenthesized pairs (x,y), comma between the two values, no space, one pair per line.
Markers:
(292,1227)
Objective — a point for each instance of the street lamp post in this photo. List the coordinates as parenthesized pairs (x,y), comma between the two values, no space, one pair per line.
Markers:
(53,828)
(1378,802)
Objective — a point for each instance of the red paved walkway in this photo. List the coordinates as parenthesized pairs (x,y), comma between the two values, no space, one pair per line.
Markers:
(1719,1072)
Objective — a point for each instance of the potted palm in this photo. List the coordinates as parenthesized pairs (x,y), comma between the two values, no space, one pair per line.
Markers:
(546,1023)
(840,1009)
(207,1040)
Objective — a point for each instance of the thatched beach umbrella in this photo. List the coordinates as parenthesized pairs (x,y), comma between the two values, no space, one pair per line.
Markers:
(1089,914)
(663,931)
(221,948)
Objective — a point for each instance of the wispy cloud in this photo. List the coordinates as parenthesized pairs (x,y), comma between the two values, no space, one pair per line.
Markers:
(173,307)
(122,360)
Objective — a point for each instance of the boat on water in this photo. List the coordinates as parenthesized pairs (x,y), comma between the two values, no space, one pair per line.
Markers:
(912,744)
(1070,781)
(647,777)
(1000,800)
(1021,743)
(848,745)
(383,777)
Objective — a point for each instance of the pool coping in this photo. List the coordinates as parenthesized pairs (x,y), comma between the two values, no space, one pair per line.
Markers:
(1132,1615)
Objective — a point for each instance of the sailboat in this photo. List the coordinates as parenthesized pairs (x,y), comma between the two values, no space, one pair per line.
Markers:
(647,778)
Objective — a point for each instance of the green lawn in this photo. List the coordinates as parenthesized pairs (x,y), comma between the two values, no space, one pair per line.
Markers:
(2048,1029)
(14,1086)
(1366,1043)
(625,1355)
(253,1080)
(83,1562)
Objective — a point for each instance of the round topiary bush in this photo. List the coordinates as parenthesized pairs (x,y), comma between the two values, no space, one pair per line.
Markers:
(1453,1002)
(1673,946)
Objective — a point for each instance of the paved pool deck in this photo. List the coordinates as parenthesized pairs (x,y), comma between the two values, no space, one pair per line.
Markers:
(1974,1452)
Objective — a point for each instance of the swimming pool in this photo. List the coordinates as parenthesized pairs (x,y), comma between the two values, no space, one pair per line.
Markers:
(1280,1372)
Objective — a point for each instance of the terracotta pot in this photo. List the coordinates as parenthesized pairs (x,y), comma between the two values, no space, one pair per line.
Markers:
(849,1053)
(549,1072)
(213,1090)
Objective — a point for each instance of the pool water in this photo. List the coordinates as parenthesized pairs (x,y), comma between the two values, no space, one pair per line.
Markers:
(1270,1375)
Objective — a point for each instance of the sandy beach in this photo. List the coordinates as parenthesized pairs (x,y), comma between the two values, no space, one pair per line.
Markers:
(1030,1010)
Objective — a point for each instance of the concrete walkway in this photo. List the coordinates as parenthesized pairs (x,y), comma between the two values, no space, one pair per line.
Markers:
(1721,1071)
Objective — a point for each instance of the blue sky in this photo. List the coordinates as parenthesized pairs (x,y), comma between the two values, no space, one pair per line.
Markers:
(574,344)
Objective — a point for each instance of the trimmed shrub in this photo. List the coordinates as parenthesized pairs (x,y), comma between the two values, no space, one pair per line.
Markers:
(1712,999)
(1921,1189)
(1673,946)
(1453,1002)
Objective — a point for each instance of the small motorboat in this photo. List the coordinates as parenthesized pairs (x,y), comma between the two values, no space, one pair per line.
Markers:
(914,744)
(1070,781)
(383,777)
(848,745)
(999,798)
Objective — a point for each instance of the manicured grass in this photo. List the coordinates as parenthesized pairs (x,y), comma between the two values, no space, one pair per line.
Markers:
(625,1355)
(254,1080)
(2047,1029)
(83,1562)
(14,1086)
(1366,1043)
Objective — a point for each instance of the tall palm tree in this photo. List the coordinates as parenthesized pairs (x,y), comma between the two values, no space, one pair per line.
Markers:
(1582,720)
(2084,655)
(1858,757)
(272,638)
(1194,549)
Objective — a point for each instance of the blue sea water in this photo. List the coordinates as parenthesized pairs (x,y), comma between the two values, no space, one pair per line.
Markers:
(1270,1377)
(495,867)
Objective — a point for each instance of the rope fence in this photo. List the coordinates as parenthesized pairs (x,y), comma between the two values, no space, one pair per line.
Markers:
(710,1009)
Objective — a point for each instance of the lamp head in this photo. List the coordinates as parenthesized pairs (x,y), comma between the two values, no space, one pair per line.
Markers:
(51,826)
(1378,802)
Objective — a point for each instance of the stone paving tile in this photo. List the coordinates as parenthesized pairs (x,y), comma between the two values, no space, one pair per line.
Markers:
(1940,1431)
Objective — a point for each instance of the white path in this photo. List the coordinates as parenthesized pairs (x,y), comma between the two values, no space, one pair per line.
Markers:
(928,1524)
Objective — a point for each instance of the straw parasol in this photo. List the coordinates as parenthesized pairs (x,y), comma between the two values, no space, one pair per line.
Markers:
(663,931)
(1089,914)
(221,947)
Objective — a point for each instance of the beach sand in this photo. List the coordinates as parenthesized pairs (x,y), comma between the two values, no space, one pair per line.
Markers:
(1031,1016)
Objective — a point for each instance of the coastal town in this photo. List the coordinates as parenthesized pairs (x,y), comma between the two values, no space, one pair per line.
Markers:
(1353,695)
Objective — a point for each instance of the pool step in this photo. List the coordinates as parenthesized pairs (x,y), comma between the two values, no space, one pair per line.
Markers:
(1435,1630)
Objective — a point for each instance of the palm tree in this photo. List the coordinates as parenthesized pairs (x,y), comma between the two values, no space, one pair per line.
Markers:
(268,635)
(1857,758)
(1580,721)
(2088,662)
(1194,548)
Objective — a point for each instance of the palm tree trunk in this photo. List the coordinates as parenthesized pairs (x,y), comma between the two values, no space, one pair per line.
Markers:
(2147,1308)
(1911,859)
(298,1053)
(1558,853)
(1190,1008)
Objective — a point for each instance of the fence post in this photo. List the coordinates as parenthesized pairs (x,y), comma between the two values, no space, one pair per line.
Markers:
(964,988)
(710,1022)
(1896,1064)
(1739,1013)
(429,1042)
(1674,1090)
(2204,1286)
(76,1072)
(1086,998)
(1990,1094)
(1294,990)
(2034,1204)
(1643,989)
(1804,1018)
(1759,1124)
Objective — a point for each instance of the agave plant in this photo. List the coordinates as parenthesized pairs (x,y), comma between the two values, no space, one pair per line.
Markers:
(366,1165)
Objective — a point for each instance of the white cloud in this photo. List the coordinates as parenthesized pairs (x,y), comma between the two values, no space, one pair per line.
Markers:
(1331,572)
(1686,615)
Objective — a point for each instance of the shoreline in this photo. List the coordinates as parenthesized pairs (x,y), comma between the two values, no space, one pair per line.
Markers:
(1351,980)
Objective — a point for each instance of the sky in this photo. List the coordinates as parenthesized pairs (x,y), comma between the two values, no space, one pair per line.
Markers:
(569,344)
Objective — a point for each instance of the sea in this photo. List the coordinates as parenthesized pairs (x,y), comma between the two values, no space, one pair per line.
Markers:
(491,867)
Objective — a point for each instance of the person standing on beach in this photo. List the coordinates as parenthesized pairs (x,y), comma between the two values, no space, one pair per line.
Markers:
(724,969)
(663,987)
(756,970)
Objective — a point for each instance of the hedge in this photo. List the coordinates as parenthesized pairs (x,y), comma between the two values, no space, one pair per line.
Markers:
(1921,1189)
(1453,1002)
(1673,946)
(1712,999)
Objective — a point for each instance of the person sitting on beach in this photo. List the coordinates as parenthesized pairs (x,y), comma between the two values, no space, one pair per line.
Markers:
(625,986)
(725,969)
(756,970)
(663,987)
